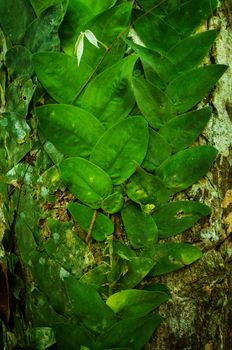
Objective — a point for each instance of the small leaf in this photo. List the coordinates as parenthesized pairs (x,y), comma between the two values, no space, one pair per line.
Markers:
(59,74)
(41,337)
(171,256)
(135,303)
(140,227)
(158,150)
(190,87)
(103,226)
(79,48)
(121,147)
(91,37)
(181,131)
(184,168)
(181,216)
(122,250)
(89,183)
(155,105)
(108,96)
(88,306)
(145,188)
(72,130)
(138,268)
(114,202)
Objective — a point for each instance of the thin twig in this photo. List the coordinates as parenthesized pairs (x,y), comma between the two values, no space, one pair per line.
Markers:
(91,226)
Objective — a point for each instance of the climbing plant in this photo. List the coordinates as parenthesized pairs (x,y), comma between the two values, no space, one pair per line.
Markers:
(98,122)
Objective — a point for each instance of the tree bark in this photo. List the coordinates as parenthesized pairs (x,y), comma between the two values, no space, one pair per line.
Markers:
(199,314)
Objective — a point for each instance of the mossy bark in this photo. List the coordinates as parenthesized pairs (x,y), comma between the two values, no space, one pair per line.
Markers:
(199,315)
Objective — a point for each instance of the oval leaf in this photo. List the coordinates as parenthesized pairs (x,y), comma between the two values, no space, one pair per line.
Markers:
(121,147)
(113,203)
(89,183)
(181,170)
(72,130)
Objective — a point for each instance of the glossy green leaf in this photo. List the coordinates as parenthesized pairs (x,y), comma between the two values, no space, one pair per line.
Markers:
(186,167)
(171,256)
(88,306)
(108,26)
(152,30)
(155,105)
(140,227)
(42,33)
(181,131)
(72,130)
(186,18)
(83,215)
(133,332)
(191,51)
(135,303)
(15,16)
(59,74)
(89,183)
(18,62)
(138,268)
(114,202)
(109,96)
(190,87)
(121,148)
(181,216)
(78,14)
(158,150)
(146,188)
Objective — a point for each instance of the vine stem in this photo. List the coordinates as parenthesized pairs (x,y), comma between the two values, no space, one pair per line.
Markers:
(91,226)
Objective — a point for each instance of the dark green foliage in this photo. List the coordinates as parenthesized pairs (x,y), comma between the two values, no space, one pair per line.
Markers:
(93,148)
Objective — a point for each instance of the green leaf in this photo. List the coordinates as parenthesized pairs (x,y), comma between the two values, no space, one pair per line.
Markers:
(88,306)
(83,215)
(108,96)
(41,337)
(122,250)
(78,14)
(191,51)
(18,62)
(138,268)
(96,277)
(140,227)
(186,18)
(89,183)
(155,105)
(181,131)
(135,303)
(15,16)
(184,168)
(158,150)
(145,188)
(171,256)
(41,5)
(181,216)
(152,30)
(72,130)
(59,74)
(114,202)
(121,147)
(42,33)
(190,87)
(133,332)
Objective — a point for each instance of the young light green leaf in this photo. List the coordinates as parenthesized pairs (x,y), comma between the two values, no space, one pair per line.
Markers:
(181,131)
(72,130)
(91,38)
(171,256)
(135,303)
(79,47)
(190,87)
(155,105)
(181,216)
(122,147)
(89,183)
(88,306)
(141,229)
(108,96)
(158,150)
(184,168)
(133,333)
(83,215)
(59,74)
(145,188)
